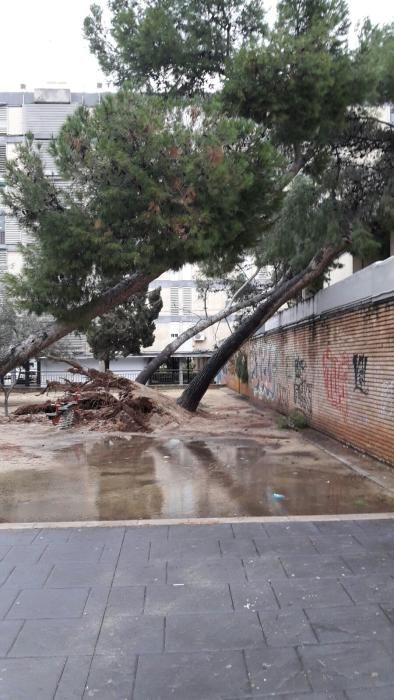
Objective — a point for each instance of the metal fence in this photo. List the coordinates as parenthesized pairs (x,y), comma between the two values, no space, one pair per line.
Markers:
(161,376)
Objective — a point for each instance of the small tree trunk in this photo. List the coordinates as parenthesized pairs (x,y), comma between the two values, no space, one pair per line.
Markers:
(193,394)
(106,364)
(6,402)
(6,393)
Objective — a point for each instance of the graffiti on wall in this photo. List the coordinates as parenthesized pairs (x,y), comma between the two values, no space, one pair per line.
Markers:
(387,400)
(302,388)
(360,363)
(289,366)
(263,371)
(335,374)
(282,395)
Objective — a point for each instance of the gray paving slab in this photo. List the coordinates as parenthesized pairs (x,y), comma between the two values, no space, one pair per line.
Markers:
(147,533)
(58,534)
(5,572)
(294,529)
(187,598)
(110,678)
(27,553)
(286,628)
(199,676)
(80,574)
(131,573)
(285,610)
(126,600)
(28,576)
(66,552)
(371,588)
(191,533)
(346,544)
(25,679)
(45,604)
(249,530)
(126,634)
(350,624)
(362,565)
(213,631)
(307,592)
(9,630)
(249,596)
(340,527)
(11,537)
(303,696)
(239,547)
(302,565)
(3,551)
(72,682)
(333,667)
(225,570)
(56,638)
(276,671)
(7,598)
(264,567)
(285,545)
(378,694)
(177,550)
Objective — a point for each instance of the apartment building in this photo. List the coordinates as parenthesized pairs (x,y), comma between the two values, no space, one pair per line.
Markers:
(43,112)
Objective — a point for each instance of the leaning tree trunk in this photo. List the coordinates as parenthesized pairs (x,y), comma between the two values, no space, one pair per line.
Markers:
(201,325)
(193,394)
(36,343)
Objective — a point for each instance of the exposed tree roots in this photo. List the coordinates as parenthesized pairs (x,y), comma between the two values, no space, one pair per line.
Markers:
(105,402)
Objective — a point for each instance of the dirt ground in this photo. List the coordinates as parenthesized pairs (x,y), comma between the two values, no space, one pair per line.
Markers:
(222,414)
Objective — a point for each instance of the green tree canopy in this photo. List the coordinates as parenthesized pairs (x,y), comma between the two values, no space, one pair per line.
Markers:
(127,328)
(177,47)
(151,187)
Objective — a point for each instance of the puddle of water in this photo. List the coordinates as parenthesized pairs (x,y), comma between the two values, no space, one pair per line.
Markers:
(142,478)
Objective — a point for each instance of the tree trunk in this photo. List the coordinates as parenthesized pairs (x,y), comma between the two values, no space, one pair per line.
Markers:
(193,394)
(6,393)
(106,364)
(201,325)
(36,343)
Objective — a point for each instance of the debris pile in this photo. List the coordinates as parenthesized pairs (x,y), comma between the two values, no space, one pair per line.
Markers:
(105,401)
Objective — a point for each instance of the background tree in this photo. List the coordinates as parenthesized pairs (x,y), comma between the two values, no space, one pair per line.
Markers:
(175,47)
(126,329)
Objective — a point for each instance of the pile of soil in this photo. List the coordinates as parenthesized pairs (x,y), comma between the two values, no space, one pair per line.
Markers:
(105,402)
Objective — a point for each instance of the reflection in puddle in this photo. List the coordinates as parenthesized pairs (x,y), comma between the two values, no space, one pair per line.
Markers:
(141,477)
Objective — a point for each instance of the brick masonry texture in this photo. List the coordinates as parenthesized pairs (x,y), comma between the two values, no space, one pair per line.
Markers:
(224,625)
(338,370)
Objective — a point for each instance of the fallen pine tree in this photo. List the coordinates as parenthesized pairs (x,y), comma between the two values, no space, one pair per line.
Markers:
(105,402)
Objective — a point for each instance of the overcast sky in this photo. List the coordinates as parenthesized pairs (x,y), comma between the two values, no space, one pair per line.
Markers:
(42,42)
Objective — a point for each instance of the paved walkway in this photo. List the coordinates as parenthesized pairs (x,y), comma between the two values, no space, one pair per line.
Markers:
(231,612)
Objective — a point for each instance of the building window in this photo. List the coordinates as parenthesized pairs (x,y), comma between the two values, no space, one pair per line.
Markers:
(187,300)
(3,119)
(2,228)
(174,300)
(3,158)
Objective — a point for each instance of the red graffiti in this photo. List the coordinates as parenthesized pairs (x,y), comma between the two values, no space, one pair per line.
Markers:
(335,373)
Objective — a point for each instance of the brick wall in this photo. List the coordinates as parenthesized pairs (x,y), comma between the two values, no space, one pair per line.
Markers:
(337,369)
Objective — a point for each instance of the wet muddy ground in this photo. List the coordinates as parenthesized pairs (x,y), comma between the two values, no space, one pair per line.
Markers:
(230,460)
